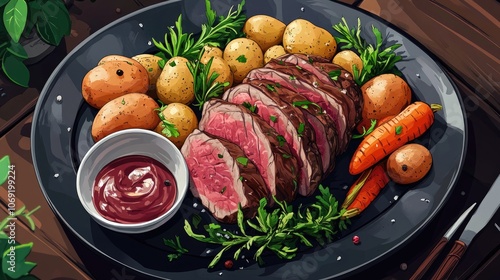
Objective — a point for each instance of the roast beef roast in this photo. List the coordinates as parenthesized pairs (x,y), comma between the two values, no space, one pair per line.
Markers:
(219,180)
(259,141)
(275,135)
(289,122)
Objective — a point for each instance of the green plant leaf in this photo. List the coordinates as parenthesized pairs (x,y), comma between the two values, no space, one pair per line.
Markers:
(14,18)
(4,169)
(22,267)
(3,2)
(53,23)
(15,69)
(34,11)
(17,49)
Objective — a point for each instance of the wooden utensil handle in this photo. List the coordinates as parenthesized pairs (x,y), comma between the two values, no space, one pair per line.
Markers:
(422,269)
(450,261)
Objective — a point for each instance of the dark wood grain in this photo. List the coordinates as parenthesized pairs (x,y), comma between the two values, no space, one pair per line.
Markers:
(462,34)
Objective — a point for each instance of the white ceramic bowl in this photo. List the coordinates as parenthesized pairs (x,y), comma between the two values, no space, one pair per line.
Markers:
(124,143)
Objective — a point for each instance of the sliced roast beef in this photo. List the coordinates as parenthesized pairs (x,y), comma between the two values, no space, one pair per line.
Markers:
(219,180)
(322,124)
(287,121)
(329,73)
(260,142)
(295,79)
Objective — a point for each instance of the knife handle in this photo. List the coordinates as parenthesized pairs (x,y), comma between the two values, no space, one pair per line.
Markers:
(451,260)
(422,269)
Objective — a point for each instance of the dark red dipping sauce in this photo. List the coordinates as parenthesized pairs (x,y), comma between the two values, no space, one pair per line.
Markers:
(133,189)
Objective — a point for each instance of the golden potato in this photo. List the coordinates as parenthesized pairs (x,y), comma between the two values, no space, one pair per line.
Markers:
(265,30)
(273,52)
(112,79)
(150,63)
(220,66)
(117,57)
(182,118)
(409,164)
(385,95)
(175,83)
(243,55)
(211,51)
(347,59)
(301,36)
(133,110)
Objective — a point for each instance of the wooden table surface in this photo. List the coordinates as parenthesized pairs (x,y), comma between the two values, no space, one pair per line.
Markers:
(462,34)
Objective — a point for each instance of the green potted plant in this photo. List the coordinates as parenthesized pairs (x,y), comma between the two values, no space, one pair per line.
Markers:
(20,18)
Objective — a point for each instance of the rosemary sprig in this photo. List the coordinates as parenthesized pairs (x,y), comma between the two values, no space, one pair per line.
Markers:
(280,231)
(217,31)
(375,60)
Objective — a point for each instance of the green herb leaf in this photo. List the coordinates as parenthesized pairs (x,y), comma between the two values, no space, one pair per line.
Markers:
(220,156)
(278,85)
(373,124)
(270,87)
(241,178)
(292,78)
(242,160)
(17,50)
(273,118)
(14,18)
(169,128)
(123,101)
(53,23)
(286,156)
(281,140)
(4,169)
(399,129)
(22,266)
(281,62)
(250,107)
(334,75)
(205,86)
(175,245)
(298,67)
(172,64)
(301,128)
(196,219)
(15,69)
(305,104)
(241,58)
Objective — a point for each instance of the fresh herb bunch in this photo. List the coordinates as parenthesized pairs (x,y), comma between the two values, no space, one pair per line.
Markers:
(279,231)
(49,18)
(176,246)
(217,32)
(375,60)
(169,128)
(205,86)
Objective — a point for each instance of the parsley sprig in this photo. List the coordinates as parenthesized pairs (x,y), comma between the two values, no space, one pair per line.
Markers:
(375,60)
(280,231)
(169,128)
(217,31)
(176,246)
(205,86)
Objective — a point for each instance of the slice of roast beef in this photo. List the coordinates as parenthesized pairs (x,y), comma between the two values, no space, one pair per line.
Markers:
(287,121)
(260,142)
(293,78)
(329,73)
(325,133)
(219,180)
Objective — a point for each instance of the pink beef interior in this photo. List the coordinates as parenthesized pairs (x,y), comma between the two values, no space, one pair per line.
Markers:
(238,129)
(213,178)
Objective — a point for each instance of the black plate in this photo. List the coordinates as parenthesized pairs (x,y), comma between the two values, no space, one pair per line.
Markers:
(61,137)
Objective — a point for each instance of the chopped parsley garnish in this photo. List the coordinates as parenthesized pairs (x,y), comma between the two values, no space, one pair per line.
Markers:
(175,245)
(241,178)
(242,160)
(250,107)
(150,69)
(298,67)
(241,58)
(173,64)
(219,155)
(301,128)
(281,62)
(278,85)
(281,140)
(305,104)
(123,101)
(273,118)
(399,129)
(287,156)
(292,78)
(270,87)
(334,75)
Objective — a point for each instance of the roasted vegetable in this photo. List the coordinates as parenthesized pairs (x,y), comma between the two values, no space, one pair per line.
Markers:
(265,30)
(409,164)
(177,122)
(150,63)
(301,36)
(274,52)
(243,55)
(175,83)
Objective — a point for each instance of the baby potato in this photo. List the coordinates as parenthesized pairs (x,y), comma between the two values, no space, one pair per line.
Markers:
(273,52)
(243,55)
(112,79)
(409,164)
(150,63)
(211,51)
(175,83)
(133,110)
(385,95)
(347,59)
(183,118)
(301,36)
(265,30)
(220,66)
(117,57)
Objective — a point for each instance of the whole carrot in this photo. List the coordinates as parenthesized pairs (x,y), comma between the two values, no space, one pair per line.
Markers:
(408,125)
(362,193)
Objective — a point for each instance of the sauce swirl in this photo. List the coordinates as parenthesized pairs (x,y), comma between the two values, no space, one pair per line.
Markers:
(133,189)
